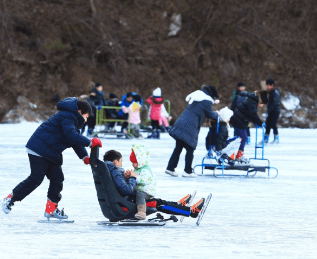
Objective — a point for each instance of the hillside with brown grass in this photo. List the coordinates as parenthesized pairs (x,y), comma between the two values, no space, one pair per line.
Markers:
(51,49)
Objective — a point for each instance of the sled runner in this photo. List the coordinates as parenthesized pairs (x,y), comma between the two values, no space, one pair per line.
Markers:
(239,169)
(203,210)
(54,220)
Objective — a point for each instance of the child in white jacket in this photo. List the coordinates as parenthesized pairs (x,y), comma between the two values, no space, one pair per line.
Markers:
(146,179)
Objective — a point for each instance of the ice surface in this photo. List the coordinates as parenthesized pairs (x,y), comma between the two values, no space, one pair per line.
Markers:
(246,218)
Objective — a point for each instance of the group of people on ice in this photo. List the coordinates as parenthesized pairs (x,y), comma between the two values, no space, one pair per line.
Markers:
(130,104)
(62,131)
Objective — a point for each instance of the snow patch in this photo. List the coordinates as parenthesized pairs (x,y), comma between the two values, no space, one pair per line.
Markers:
(176,24)
(290,102)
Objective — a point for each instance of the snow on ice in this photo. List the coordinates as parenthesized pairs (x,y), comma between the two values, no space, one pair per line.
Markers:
(246,218)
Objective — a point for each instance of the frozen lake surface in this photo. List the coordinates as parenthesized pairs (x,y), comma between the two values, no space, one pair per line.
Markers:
(246,218)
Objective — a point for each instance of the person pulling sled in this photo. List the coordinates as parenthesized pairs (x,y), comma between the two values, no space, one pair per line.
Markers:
(45,148)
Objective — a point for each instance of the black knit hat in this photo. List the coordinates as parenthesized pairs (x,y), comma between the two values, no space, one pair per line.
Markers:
(97,85)
(210,90)
(240,84)
(270,81)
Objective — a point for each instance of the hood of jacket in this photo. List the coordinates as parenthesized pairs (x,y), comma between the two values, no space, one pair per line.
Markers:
(70,104)
(198,96)
(142,154)
(111,166)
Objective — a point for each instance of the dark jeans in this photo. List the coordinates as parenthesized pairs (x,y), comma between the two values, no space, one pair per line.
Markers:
(172,164)
(91,122)
(41,167)
(248,131)
(271,122)
(242,133)
(123,117)
(155,124)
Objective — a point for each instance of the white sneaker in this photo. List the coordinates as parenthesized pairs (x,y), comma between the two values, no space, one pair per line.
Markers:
(7,204)
(192,175)
(172,173)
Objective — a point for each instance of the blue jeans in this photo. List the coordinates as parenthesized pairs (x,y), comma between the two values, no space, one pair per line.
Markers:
(242,133)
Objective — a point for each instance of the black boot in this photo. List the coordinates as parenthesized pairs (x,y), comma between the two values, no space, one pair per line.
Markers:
(158,133)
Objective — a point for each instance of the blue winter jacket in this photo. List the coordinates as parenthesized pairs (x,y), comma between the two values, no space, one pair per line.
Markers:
(59,132)
(125,103)
(126,187)
(187,126)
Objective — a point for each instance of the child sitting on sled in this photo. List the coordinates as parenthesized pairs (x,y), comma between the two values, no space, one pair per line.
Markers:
(146,179)
(126,183)
(217,138)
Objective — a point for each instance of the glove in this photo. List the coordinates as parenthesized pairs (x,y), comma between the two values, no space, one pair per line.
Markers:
(95,142)
(99,107)
(256,125)
(263,125)
(87,160)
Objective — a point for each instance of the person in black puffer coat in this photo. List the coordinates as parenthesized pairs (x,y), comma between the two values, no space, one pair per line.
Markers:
(219,140)
(45,149)
(247,112)
(186,128)
(239,95)
(273,111)
(96,100)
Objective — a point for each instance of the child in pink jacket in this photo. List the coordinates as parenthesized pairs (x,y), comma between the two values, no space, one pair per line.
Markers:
(134,116)
(156,105)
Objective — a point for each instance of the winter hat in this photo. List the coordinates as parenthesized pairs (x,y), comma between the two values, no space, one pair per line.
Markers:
(270,81)
(97,85)
(240,84)
(133,157)
(210,90)
(225,114)
(112,96)
(157,92)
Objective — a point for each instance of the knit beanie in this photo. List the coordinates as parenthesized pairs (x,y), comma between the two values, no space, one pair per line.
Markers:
(133,157)
(157,92)
(225,114)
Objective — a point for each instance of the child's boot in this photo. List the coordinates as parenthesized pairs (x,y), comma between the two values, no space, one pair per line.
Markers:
(7,203)
(266,140)
(141,212)
(52,211)
(184,201)
(276,139)
(196,208)
(152,135)
(158,133)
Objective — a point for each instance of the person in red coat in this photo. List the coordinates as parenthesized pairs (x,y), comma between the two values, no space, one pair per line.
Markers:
(156,102)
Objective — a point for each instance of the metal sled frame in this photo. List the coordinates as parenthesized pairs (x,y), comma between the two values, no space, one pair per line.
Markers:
(251,170)
(101,119)
(110,201)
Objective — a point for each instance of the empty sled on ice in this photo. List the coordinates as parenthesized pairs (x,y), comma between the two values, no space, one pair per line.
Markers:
(244,170)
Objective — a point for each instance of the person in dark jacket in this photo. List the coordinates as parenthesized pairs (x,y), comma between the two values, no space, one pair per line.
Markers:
(245,113)
(45,149)
(96,100)
(239,95)
(186,128)
(273,111)
(125,182)
(113,101)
